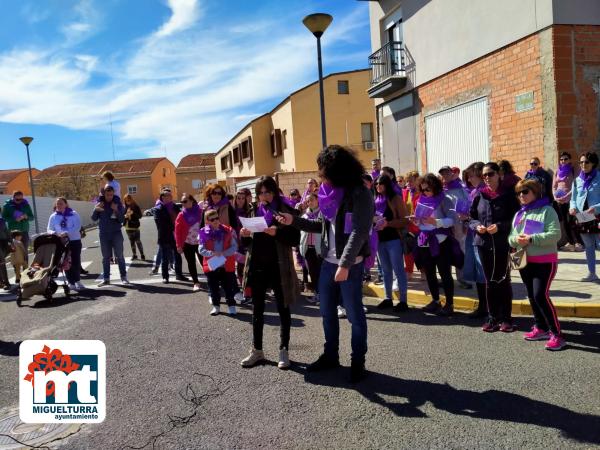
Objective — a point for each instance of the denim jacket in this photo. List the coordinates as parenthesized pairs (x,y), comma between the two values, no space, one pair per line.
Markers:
(580,195)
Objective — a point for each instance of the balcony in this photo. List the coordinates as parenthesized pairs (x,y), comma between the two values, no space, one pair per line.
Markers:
(388,73)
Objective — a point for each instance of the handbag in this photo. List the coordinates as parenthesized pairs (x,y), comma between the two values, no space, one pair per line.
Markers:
(518,259)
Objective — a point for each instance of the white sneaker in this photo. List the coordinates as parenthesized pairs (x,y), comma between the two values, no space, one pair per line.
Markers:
(253,358)
(284,359)
(215,311)
(239,298)
(196,288)
(125,282)
(73,287)
(395,285)
(231,310)
(341,312)
(590,277)
(79,286)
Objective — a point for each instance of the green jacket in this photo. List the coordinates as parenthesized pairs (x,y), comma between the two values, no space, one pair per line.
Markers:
(8,213)
(542,243)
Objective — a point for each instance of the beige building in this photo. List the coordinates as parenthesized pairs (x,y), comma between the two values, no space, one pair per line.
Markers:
(16,180)
(288,138)
(194,172)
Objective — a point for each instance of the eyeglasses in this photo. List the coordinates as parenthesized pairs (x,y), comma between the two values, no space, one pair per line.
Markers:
(488,174)
(584,162)
(523,192)
(213,219)
(217,193)
(534,164)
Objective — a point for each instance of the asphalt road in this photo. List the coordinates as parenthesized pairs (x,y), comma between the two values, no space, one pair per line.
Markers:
(174,379)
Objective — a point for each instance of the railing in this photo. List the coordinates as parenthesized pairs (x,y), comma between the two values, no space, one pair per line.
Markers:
(387,62)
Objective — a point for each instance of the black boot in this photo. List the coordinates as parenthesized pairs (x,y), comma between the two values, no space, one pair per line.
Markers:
(357,371)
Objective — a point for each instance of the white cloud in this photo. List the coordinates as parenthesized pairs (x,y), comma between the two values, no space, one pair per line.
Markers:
(83,24)
(184,14)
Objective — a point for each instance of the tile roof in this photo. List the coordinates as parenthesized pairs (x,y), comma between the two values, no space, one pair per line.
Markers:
(197,160)
(118,168)
(6,176)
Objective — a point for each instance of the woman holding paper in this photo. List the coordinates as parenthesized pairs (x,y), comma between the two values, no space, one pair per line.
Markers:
(435,249)
(536,228)
(585,205)
(492,212)
(218,245)
(270,264)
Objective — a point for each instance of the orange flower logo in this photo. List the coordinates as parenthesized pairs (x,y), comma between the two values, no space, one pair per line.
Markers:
(47,361)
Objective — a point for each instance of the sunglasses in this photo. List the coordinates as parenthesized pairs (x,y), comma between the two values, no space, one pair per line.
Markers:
(488,174)
(213,219)
(523,192)
(217,193)
(534,164)
(584,162)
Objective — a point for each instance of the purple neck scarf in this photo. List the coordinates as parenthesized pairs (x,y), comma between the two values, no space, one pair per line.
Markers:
(19,206)
(533,173)
(375,174)
(312,213)
(265,210)
(587,178)
(489,193)
(533,205)
(208,234)
(397,188)
(380,204)
(454,184)
(221,202)
(241,212)
(66,213)
(564,170)
(330,199)
(192,215)
(433,201)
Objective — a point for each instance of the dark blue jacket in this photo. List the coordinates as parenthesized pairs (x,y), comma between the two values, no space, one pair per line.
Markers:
(106,225)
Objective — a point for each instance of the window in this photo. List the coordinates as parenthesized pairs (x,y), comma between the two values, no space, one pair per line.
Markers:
(132,189)
(165,172)
(196,184)
(247,149)
(237,156)
(366,132)
(226,164)
(343,87)
(276,149)
(284,139)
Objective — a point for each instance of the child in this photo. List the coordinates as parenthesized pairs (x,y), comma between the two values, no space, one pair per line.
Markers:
(19,254)
(4,251)
(115,200)
(217,241)
(310,246)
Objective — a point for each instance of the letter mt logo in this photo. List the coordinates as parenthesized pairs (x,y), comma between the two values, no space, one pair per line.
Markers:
(62,381)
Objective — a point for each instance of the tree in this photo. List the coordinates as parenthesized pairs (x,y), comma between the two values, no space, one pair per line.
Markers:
(73,184)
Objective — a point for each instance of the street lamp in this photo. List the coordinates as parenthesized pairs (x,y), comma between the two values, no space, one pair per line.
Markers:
(27,140)
(317,24)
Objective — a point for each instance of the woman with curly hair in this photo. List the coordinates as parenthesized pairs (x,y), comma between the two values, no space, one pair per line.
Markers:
(215,198)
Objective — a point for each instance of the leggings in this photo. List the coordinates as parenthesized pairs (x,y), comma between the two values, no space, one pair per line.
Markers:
(260,281)
(134,238)
(313,261)
(189,251)
(537,278)
(498,288)
(442,263)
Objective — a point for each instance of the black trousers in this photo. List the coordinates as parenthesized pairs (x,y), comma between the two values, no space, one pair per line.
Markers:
(313,262)
(498,288)
(260,281)
(135,239)
(442,263)
(567,221)
(189,251)
(537,278)
(220,278)
(170,254)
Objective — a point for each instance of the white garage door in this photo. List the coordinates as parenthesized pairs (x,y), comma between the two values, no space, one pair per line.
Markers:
(458,136)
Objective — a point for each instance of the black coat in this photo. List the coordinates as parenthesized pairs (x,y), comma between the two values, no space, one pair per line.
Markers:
(165,224)
(545,179)
(499,211)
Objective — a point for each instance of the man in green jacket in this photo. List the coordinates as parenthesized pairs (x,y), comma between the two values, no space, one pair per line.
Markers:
(18,214)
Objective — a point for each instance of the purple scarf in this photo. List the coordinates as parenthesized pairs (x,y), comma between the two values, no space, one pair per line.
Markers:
(66,213)
(380,204)
(375,174)
(487,192)
(587,178)
(208,234)
(454,184)
(330,199)
(534,173)
(192,215)
(312,213)
(264,211)
(19,206)
(476,191)
(241,212)
(288,201)
(397,188)
(433,202)
(533,205)
(222,202)
(564,170)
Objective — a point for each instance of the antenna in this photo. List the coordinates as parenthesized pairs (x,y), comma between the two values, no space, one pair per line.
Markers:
(112,139)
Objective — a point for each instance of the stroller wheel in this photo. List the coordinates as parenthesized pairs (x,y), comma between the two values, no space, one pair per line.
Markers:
(19,298)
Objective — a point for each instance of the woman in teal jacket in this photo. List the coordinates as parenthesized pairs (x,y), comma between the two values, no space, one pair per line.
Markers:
(536,228)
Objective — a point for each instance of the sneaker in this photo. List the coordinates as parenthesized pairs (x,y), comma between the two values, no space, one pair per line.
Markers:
(196,288)
(536,335)
(357,371)
(324,362)
(125,282)
(165,281)
(72,287)
(154,271)
(134,258)
(386,303)
(432,306)
(238,297)
(79,286)
(401,307)
(556,342)
(313,299)
(395,286)
(379,280)
(507,327)
(579,248)
(341,312)
(445,311)
(590,277)
(103,283)
(247,301)
(7,287)
(284,359)
(182,278)
(490,326)
(253,358)
(231,310)
(215,311)
(83,272)
(209,300)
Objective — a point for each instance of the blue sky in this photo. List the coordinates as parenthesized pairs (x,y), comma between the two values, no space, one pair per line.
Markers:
(175,76)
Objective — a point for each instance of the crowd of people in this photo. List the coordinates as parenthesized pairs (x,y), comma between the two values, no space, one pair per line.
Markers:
(481,221)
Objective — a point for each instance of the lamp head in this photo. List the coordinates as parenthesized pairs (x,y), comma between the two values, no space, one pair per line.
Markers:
(317,23)
(26,140)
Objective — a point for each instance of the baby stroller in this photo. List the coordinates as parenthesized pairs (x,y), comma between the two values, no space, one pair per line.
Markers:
(51,258)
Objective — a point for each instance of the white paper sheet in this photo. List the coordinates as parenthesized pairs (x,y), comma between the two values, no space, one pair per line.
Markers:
(254,224)
(215,262)
(585,217)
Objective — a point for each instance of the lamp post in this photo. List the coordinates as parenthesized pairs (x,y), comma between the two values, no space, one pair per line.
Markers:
(27,140)
(317,24)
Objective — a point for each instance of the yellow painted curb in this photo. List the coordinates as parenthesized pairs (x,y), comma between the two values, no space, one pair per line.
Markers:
(519,307)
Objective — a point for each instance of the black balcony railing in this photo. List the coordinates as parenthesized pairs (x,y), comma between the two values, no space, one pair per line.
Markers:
(387,62)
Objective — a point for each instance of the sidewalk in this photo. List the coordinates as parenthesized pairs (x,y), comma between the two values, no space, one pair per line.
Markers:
(572,298)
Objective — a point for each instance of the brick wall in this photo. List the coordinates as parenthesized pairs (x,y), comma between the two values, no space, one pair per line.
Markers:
(501,76)
(291,180)
(576,50)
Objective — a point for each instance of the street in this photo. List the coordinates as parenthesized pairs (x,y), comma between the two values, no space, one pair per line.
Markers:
(174,378)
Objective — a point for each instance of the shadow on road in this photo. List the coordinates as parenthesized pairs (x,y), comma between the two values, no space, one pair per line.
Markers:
(409,395)
(84,296)
(9,348)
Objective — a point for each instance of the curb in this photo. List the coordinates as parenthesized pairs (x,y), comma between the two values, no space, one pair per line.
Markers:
(519,307)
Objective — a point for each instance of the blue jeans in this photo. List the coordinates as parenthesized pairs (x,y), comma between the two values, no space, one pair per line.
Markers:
(472,270)
(112,244)
(391,257)
(591,242)
(350,292)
